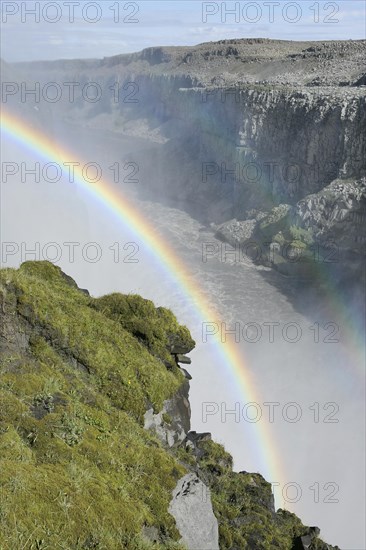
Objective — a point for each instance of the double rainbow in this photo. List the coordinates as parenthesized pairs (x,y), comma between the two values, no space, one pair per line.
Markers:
(40,144)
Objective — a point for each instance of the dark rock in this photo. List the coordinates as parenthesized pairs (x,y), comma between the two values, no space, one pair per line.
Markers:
(177,349)
(193,441)
(361,81)
(183,359)
(198,437)
(45,404)
(186,373)
(305,541)
(84,291)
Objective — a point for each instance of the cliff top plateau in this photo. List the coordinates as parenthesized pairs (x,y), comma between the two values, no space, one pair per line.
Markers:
(234,61)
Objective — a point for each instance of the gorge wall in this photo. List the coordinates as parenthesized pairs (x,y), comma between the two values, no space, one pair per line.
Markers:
(266,135)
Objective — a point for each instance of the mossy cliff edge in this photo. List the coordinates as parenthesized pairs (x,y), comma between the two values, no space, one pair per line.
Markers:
(78,469)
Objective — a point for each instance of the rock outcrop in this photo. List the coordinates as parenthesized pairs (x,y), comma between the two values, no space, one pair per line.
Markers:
(191,508)
(173,422)
(95,443)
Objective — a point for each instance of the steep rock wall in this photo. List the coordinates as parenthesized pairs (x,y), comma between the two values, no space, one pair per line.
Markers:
(254,146)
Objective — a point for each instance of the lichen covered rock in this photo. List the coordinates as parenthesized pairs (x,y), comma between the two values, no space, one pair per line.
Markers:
(192,509)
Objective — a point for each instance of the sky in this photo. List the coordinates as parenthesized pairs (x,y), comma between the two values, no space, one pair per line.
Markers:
(83,29)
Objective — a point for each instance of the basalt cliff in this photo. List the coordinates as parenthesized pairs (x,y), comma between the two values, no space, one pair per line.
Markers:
(262,140)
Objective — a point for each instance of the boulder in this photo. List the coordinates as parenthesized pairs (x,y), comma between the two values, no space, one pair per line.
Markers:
(183,359)
(193,440)
(186,373)
(236,232)
(305,542)
(191,508)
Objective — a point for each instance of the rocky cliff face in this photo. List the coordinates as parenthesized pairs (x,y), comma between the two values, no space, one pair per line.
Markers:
(236,128)
(95,438)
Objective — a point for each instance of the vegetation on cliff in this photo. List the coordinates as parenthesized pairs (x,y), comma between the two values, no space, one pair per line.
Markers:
(77,468)
(244,506)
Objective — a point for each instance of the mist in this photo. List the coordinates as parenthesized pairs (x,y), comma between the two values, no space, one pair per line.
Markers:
(298,417)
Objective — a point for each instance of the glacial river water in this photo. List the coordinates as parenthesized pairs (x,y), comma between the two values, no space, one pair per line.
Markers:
(292,407)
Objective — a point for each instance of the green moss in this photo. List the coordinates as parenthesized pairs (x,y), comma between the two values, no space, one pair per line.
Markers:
(300,235)
(279,238)
(215,458)
(167,418)
(185,456)
(123,368)
(243,505)
(297,246)
(13,447)
(156,328)
(77,468)
(277,220)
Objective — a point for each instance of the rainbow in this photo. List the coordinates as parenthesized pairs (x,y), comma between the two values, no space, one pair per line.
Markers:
(40,144)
